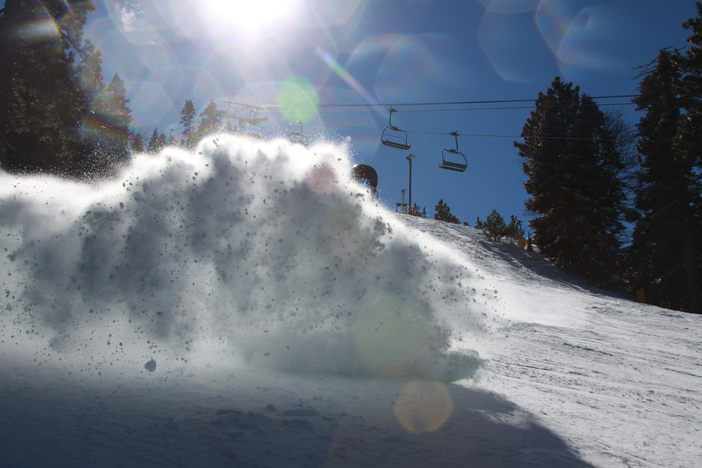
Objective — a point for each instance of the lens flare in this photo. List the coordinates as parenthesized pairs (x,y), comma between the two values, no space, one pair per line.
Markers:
(423,407)
(345,75)
(552,20)
(40,29)
(298,100)
(392,334)
(404,53)
(322,180)
(513,55)
(152,102)
(98,125)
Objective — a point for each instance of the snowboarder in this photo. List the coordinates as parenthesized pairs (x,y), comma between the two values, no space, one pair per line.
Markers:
(366,175)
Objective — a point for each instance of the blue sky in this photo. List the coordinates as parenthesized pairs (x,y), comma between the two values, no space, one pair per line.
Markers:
(389,52)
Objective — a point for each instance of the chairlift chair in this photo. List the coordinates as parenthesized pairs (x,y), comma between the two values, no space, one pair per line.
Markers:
(452,159)
(298,137)
(245,114)
(393,136)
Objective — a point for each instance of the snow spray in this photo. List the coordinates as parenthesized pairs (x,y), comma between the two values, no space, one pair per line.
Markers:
(247,250)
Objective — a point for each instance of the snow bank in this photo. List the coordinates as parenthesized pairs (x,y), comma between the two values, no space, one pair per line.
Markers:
(263,251)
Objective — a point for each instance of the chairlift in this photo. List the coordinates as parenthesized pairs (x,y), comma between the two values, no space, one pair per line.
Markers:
(393,136)
(245,114)
(298,137)
(452,159)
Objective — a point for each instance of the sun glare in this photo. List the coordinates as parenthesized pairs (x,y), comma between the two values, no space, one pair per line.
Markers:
(250,16)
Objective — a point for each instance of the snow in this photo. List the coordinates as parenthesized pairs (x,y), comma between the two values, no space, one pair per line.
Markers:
(616,379)
(247,304)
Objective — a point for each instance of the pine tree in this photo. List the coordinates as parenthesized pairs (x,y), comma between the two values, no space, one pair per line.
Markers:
(442,212)
(494,226)
(688,141)
(187,120)
(156,142)
(479,224)
(90,72)
(665,248)
(690,128)
(514,229)
(106,126)
(210,119)
(114,106)
(41,100)
(137,143)
(416,210)
(573,169)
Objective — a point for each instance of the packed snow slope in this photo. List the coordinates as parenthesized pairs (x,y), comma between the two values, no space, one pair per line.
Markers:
(620,381)
(247,304)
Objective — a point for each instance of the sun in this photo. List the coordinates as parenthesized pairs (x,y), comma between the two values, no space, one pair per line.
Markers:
(249,16)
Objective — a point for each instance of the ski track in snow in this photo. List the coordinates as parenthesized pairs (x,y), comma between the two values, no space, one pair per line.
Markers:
(247,305)
(621,381)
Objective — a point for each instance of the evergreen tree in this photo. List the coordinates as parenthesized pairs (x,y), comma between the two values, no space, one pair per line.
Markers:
(665,249)
(114,106)
(210,119)
(156,142)
(416,210)
(41,100)
(90,72)
(97,162)
(137,144)
(573,169)
(514,229)
(479,224)
(187,120)
(689,137)
(106,126)
(442,212)
(494,226)
(690,128)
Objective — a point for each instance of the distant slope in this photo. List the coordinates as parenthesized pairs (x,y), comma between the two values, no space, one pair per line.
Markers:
(618,380)
(502,259)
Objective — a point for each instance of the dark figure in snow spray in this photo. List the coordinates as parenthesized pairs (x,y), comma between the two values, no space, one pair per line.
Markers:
(366,175)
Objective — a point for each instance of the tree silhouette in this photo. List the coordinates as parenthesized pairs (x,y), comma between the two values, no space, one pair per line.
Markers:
(573,167)
(494,226)
(442,212)
(187,121)
(210,119)
(42,103)
(665,248)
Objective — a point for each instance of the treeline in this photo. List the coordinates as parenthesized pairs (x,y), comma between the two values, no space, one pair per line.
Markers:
(211,119)
(494,227)
(57,113)
(620,223)
(621,209)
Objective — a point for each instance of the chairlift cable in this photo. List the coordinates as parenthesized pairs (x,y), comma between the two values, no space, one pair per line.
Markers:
(436,103)
(457,109)
(478,135)
(496,108)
